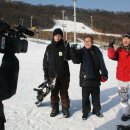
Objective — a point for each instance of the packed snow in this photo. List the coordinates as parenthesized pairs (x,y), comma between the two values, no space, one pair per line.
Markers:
(68,26)
(22,113)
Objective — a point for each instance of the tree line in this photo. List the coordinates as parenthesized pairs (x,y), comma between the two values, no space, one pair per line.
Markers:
(43,15)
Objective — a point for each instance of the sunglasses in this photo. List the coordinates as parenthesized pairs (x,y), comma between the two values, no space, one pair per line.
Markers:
(126,35)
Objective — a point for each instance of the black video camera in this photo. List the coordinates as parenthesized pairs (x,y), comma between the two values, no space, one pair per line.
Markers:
(13,39)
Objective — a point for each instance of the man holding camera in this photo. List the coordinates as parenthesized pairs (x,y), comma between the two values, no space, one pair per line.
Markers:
(55,65)
(9,71)
(11,41)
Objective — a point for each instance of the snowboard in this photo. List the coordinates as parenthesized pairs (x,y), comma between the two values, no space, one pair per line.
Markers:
(43,90)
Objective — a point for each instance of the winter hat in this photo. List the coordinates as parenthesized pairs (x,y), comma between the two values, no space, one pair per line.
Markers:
(127,34)
(58,31)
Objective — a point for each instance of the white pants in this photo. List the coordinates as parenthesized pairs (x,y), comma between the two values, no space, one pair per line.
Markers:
(123,88)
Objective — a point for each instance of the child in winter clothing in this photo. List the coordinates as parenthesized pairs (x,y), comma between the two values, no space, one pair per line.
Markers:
(91,60)
(122,56)
(55,65)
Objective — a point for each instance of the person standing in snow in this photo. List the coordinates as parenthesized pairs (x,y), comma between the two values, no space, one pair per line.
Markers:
(92,62)
(55,64)
(122,56)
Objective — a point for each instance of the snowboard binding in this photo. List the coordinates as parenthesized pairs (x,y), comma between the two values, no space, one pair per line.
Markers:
(43,90)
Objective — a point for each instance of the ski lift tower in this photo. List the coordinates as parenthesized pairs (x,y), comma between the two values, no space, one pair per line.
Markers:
(74,20)
(63,18)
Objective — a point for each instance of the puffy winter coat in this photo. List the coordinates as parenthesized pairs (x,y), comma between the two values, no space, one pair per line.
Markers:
(122,56)
(91,64)
(55,60)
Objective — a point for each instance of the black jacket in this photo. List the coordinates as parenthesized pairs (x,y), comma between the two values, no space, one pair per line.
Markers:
(92,65)
(55,60)
(9,71)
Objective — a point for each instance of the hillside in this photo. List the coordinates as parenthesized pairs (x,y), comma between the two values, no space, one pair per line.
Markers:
(68,26)
(43,15)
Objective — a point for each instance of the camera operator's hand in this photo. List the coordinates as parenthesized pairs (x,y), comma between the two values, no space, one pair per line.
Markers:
(112,42)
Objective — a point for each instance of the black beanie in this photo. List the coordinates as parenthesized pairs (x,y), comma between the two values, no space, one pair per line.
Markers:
(58,31)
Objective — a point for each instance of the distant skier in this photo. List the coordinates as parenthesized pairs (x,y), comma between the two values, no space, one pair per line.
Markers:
(55,65)
(122,56)
(92,62)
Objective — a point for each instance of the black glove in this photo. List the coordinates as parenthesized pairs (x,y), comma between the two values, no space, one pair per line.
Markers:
(66,44)
(66,50)
(46,77)
(112,42)
(47,81)
(74,46)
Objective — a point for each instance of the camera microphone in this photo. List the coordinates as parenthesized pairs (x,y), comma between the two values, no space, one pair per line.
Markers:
(29,32)
(25,30)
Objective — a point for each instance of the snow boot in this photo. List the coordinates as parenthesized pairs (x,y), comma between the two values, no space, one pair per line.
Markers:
(54,111)
(125,117)
(85,116)
(122,127)
(97,113)
(66,113)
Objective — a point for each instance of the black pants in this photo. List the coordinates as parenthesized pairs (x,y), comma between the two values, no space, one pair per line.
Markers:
(61,86)
(2,117)
(95,94)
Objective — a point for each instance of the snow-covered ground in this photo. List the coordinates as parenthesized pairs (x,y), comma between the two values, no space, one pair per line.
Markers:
(22,113)
(68,26)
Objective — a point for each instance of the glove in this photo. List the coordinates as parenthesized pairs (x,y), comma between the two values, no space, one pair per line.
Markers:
(46,77)
(112,42)
(66,50)
(74,46)
(66,44)
(103,78)
(46,82)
